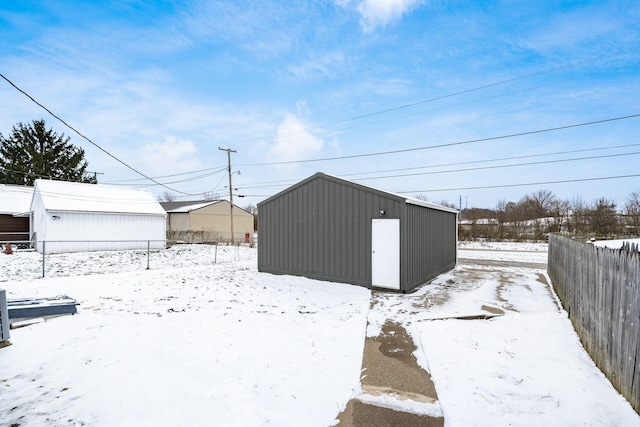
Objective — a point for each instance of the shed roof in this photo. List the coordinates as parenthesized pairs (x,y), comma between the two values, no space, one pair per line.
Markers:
(99,198)
(15,198)
(186,206)
(406,199)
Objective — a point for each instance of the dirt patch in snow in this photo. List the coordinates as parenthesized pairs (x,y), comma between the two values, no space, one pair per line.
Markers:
(389,361)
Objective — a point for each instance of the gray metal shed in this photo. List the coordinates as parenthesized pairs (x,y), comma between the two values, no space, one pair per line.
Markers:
(328,228)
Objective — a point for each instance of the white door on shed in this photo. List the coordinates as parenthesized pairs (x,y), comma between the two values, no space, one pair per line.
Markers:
(385,253)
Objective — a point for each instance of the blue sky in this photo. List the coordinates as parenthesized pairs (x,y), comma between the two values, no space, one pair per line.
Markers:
(162,85)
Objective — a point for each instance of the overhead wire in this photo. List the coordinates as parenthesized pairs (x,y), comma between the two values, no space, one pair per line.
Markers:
(213,170)
(86,138)
(355,174)
(502,166)
(528,156)
(453,94)
(451,144)
(488,187)
(326,129)
(401,107)
(546,162)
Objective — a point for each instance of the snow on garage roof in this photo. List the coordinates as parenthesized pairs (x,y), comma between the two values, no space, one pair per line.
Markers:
(80,197)
(187,206)
(15,198)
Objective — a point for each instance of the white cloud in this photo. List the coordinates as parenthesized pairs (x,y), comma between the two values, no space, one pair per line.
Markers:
(178,155)
(378,13)
(569,30)
(303,109)
(295,141)
(254,26)
(328,65)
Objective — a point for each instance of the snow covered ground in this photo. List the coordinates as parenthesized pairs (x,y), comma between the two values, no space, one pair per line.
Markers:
(207,345)
(615,244)
(504,251)
(190,342)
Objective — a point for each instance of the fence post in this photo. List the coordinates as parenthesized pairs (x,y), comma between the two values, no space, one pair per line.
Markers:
(148,252)
(43,252)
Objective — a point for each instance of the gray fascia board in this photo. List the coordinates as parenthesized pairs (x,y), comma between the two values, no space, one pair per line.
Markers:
(291,188)
(384,193)
(336,179)
(418,202)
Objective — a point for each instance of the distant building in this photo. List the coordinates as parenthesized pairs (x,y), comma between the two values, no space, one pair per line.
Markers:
(207,221)
(14,212)
(328,228)
(78,217)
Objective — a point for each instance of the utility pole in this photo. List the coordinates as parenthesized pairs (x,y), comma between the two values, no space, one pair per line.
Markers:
(229,151)
(95,175)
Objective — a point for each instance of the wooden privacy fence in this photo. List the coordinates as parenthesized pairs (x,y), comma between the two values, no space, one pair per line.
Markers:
(600,289)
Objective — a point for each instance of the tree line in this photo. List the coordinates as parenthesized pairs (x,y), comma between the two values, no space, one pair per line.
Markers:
(537,214)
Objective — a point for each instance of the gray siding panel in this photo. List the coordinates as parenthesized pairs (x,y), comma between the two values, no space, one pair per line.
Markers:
(430,243)
(321,228)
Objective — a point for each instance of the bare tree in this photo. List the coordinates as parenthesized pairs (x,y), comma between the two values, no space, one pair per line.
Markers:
(632,214)
(536,211)
(542,212)
(167,197)
(603,219)
(210,195)
(441,203)
(421,197)
(578,221)
(559,212)
(542,202)
(501,217)
(252,209)
(447,204)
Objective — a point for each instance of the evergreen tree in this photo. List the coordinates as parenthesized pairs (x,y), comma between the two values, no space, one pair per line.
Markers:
(31,152)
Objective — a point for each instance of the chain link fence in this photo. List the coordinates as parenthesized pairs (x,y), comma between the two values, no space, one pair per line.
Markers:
(26,260)
(212,236)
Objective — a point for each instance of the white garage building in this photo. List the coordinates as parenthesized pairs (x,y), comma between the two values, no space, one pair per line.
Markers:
(77,217)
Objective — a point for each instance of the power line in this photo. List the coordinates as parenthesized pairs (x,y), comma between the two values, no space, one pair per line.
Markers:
(450,95)
(212,170)
(321,131)
(405,106)
(502,166)
(494,160)
(86,138)
(492,167)
(451,144)
(523,184)
(487,187)
(264,183)
(179,181)
(321,128)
